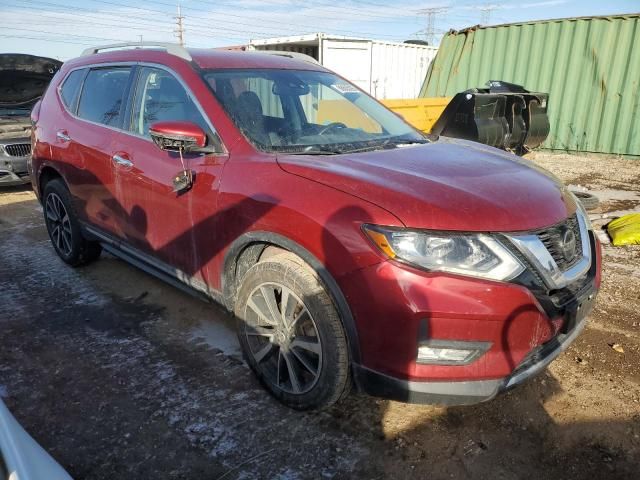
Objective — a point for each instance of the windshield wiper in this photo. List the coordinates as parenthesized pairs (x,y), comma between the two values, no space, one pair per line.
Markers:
(401,141)
(317,150)
(335,150)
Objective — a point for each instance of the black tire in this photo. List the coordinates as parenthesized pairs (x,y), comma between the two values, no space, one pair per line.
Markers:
(588,200)
(65,234)
(331,380)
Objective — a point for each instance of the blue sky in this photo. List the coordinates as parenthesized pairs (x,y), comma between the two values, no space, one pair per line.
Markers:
(61,29)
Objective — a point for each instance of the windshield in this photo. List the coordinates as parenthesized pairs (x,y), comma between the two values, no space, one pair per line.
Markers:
(307,112)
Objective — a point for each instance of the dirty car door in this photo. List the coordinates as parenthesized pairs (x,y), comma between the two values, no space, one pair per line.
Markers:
(174,228)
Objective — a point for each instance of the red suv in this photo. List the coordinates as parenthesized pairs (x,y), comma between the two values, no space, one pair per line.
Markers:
(352,249)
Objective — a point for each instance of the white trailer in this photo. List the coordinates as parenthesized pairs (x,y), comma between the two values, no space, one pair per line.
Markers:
(382,69)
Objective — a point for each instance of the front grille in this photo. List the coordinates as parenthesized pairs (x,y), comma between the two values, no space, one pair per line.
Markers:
(18,149)
(552,238)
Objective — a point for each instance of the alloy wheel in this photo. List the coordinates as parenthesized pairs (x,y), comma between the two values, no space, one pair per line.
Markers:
(59,224)
(283,338)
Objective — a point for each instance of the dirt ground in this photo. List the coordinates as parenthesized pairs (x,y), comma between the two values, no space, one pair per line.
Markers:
(118,375)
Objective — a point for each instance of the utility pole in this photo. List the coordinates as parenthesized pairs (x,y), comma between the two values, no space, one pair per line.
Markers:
(179,31)
(431,14)
(485,13)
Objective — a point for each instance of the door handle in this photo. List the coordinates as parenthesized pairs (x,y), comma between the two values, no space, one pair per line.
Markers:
(120,160)
(62,135)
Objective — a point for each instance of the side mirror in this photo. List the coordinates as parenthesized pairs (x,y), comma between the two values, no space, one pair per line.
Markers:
(179,136)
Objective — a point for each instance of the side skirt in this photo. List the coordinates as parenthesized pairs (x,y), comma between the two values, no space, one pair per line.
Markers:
(153,266)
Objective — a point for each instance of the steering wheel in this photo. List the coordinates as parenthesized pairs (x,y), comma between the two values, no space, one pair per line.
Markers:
(331,126)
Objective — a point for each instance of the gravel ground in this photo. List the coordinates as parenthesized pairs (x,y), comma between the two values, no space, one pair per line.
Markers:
(119,375)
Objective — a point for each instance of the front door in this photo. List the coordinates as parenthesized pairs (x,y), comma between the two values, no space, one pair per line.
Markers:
(175,228)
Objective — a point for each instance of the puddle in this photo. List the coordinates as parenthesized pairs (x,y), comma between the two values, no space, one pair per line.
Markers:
(217,335)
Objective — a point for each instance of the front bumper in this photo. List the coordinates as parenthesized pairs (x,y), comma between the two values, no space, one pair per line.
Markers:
(11,179)
(472,391)
(398,308)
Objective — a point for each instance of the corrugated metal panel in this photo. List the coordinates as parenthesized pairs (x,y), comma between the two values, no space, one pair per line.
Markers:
(397,70)
(589,66)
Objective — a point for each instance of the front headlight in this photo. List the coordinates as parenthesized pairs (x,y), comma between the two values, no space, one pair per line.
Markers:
(477,255)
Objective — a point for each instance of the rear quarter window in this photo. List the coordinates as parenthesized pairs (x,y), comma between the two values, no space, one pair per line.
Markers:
(70,89)
(103,95)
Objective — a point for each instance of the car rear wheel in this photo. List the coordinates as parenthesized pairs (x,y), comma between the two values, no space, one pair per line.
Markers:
(64,228)
(291,334)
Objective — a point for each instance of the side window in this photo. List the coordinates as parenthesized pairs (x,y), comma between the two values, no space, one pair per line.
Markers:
(103,94)
(160,97)
(70,89)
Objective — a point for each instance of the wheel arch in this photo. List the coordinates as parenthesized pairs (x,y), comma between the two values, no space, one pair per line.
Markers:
(46,174)
(246,250)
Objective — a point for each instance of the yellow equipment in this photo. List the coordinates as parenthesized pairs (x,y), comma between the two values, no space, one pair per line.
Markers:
(422,113)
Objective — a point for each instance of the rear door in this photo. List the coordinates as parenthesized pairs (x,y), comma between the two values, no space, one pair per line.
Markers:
(91,137)
(176,228)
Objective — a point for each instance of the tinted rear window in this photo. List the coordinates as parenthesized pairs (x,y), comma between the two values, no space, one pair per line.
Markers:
(70,88)
(103,95)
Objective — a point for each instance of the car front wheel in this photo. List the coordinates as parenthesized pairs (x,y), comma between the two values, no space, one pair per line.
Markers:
(291,334)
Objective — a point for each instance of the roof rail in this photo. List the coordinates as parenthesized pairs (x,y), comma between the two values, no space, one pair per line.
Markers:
(171,48)
(283,53)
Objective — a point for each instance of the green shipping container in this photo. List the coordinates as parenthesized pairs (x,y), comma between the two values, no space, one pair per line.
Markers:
(590,67)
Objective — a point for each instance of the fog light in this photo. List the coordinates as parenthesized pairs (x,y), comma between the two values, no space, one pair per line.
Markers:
(438,352)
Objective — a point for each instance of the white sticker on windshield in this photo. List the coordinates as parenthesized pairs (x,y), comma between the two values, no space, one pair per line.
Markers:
(344,88)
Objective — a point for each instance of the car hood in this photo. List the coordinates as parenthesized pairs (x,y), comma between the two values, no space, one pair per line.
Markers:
(24,78)
(445,185)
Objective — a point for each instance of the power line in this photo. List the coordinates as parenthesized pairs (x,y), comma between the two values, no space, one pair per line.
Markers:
(360,11)
(135,28)
(286,23)
(205,29)
(139,24)
(53,40)
(195,9)
(63,34)
(160,27)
